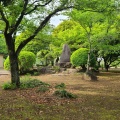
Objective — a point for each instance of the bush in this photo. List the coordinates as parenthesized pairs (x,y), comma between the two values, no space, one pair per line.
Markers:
(26,61)
(61,92)
(27,82)
(60,86)
(9,86)
(43,88)
(32,83)
(80,56)
(64,94)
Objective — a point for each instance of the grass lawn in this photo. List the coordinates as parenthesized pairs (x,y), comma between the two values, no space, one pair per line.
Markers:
(96,100)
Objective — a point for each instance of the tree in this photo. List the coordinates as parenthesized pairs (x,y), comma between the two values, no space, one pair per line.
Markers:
(107,40)
(16,14)
(108,48)
(41,41)
(87,20)
(69,32)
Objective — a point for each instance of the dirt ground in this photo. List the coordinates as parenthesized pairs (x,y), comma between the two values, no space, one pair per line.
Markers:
(98,100)
(75,81)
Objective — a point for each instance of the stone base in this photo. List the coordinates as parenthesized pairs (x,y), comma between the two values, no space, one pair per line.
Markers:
(65,65)
(68,70)
(4,72)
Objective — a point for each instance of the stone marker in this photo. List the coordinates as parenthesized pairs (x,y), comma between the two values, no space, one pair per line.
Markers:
(65,56)
(1,61)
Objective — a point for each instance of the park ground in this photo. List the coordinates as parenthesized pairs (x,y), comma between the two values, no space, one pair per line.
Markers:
(98,100)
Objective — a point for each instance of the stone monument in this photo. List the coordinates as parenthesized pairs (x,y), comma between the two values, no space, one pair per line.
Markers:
(1,61)
(65,56)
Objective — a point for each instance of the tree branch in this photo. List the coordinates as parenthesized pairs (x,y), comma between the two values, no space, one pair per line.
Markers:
(42,25)
(6,21)
(36,6)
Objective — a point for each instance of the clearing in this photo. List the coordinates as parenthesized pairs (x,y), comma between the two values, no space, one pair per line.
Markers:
(96,100)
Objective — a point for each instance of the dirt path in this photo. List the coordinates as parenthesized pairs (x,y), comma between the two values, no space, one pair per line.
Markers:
(4,78)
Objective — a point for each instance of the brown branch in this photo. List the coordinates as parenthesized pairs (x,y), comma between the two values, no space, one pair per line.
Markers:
(42,25)
(36,6)
(6,21)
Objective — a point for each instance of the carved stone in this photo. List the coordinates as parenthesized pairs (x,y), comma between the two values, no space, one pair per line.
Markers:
(65,56)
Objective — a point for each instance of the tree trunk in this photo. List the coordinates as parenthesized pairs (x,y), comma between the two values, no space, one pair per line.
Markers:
(106,65)
(89,53)
(88,62)
(13,58)
(83,68)
(15,79)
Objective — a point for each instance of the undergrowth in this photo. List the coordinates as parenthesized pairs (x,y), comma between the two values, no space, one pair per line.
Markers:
(9,86)
(61,92)
(26,82)
(64,94)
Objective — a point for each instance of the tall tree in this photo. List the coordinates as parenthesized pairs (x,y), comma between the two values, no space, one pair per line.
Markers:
(14,14)
(69,32)
(87,20)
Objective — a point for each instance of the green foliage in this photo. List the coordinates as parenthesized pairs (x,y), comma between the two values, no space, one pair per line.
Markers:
(7,64)
(3,49)
(64,94)
(9,86)
(61,92)
(32,83)
(26,61)
(60,86)
(36,73)
(41,41)
(80,56)
(43,88)
(116,62)
(69,32)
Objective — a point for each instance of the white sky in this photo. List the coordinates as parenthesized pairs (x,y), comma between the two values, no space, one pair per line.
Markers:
(56,20)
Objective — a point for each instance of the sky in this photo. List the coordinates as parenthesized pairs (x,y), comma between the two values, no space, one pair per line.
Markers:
(56,20)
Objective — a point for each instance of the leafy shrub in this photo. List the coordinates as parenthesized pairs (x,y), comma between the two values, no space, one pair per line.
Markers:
(80,56)
(64,94)
(43,88)
(61,92)
(60,86)
(32,83)
(27,82)
(9,86)
(26,61)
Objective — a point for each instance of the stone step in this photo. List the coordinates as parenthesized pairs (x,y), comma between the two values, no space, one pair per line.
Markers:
(4,72)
